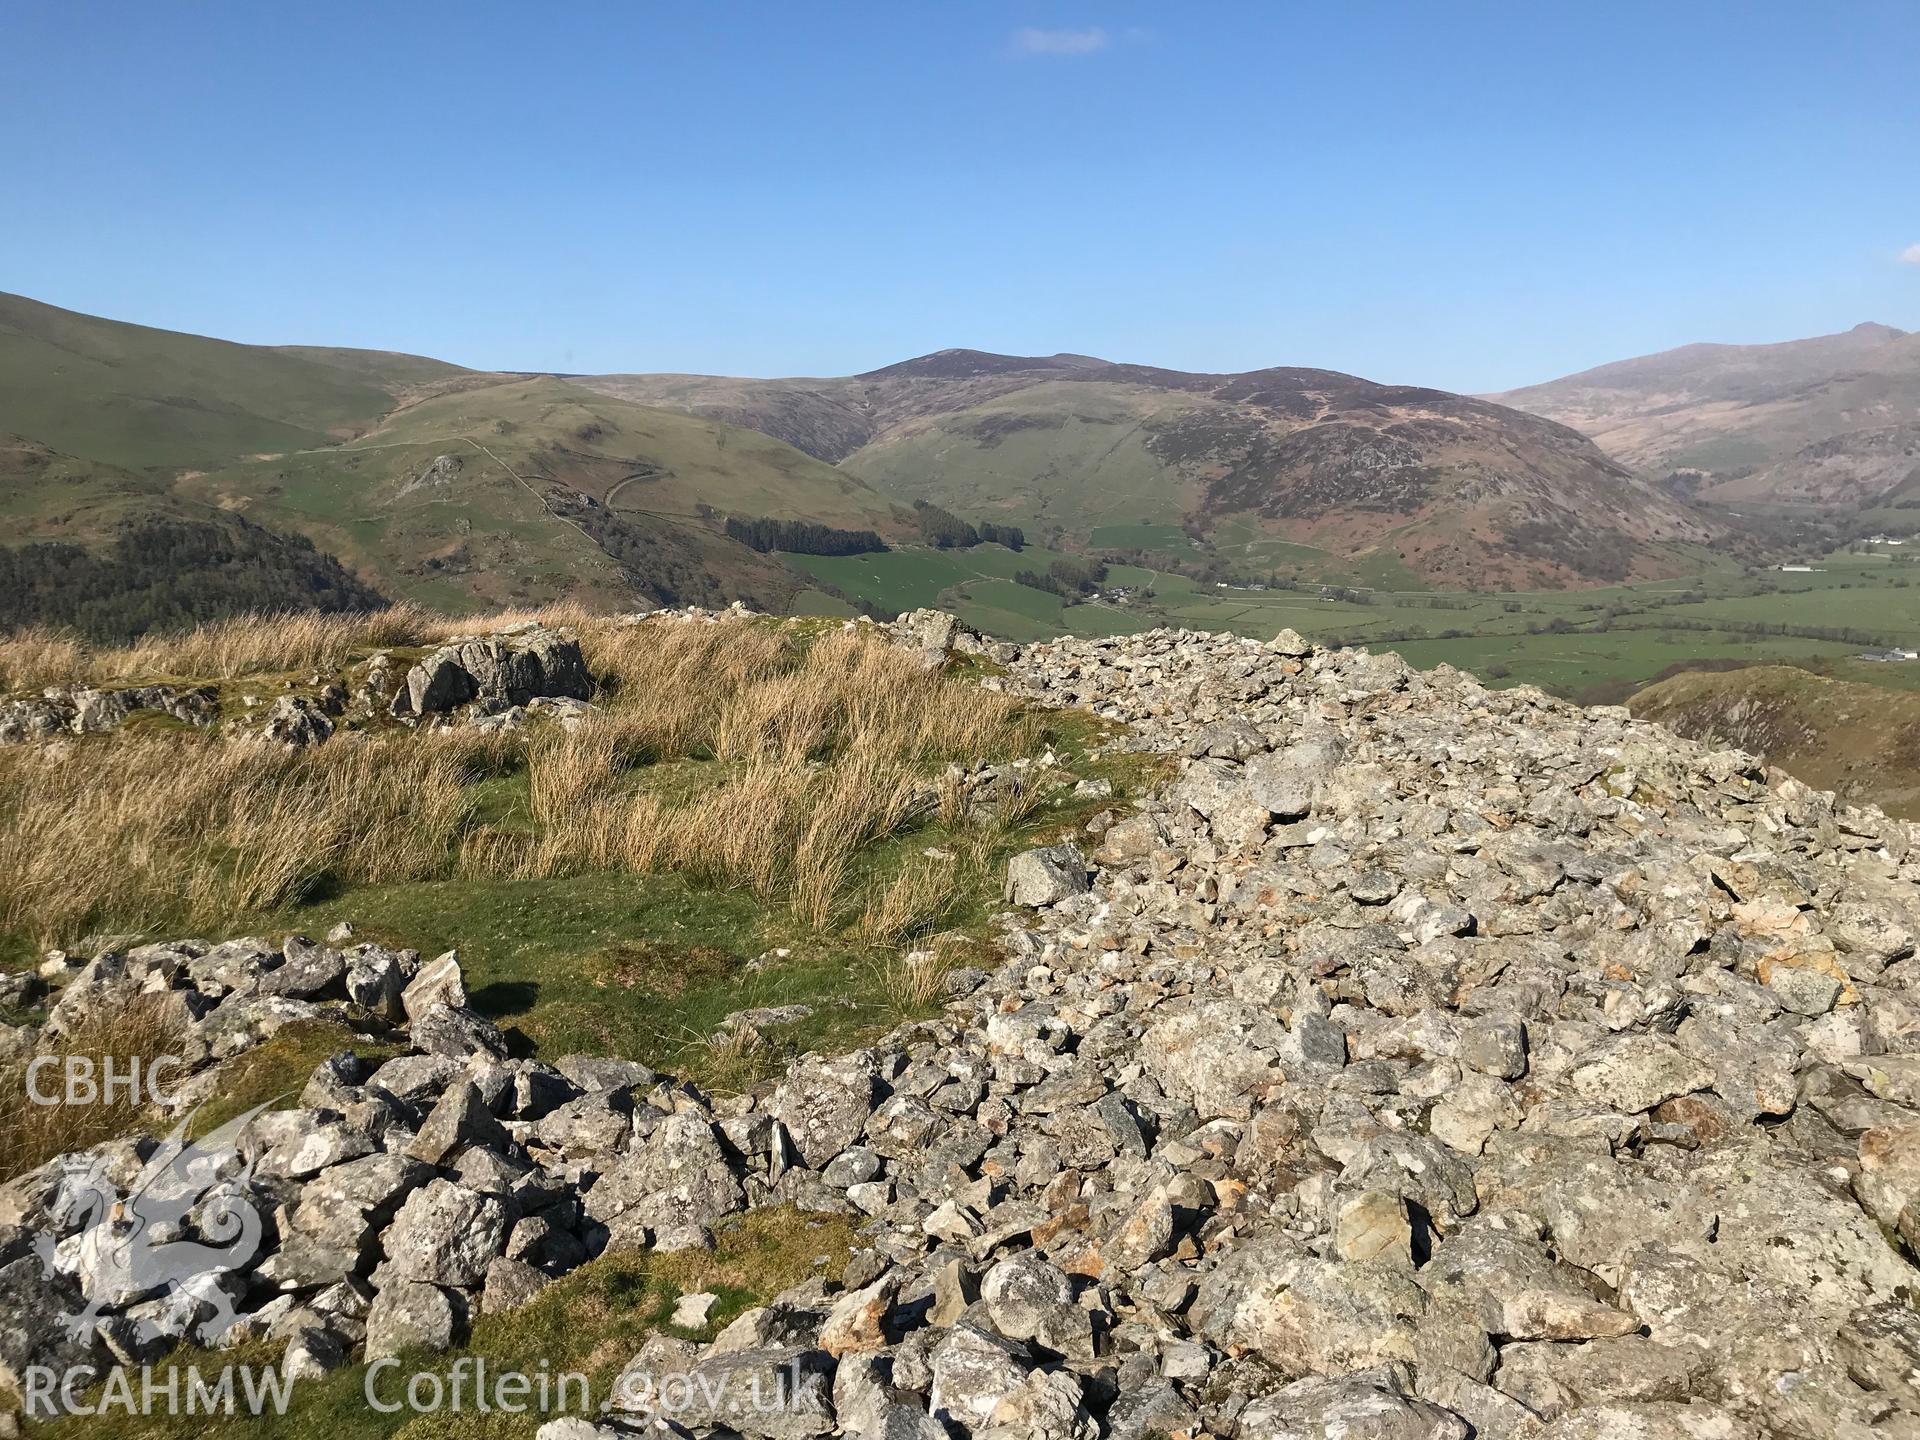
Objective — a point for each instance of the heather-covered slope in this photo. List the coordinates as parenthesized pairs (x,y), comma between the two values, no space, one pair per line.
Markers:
(1862,741)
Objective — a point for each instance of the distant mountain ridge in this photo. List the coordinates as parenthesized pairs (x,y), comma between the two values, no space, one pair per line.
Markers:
(462,488)
(1832,420)
(1455,490)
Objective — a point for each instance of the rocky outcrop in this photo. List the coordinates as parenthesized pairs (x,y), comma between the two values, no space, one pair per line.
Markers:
(511,667)
(1427,1061)
(503,681)
(83,711)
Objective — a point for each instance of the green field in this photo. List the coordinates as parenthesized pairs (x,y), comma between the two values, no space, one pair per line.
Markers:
(1170,538)
(1599,643)
(916,577)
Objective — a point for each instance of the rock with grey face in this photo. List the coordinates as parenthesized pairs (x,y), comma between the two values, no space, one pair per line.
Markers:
(445,1234)
(677,1176)
(456,1033)
(763,1393)
(376,980)
(824,1107)
(510,1284)
(461,1118)
(599,1124)
(312,1352)
(413,1315)
(317,1144)
(505,669)
(1220,1054)
(307,972)
(973,1371)
(1048,1405)
(1635,1072)
(296,722)
(1046,876)
(33,1309)
(1372,1403)
(439,981)
(595,1073)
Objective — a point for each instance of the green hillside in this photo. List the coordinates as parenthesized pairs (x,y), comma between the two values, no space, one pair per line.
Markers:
(1446,489)
(450,487)
(132,396)
(531,488)
(1065,454)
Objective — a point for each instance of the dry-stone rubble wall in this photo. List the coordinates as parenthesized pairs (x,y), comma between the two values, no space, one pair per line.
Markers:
(1427,1062)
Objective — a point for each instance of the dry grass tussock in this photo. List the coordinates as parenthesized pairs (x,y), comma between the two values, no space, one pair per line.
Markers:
(827,750)
(187,831)
(35,658)
(784,829)
(917,898)
(222,650)
(728,1060)
(915,983)
(813,753)
(32,1133)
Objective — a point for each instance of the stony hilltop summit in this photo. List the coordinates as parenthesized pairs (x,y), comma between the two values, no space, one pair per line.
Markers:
(1424,1062)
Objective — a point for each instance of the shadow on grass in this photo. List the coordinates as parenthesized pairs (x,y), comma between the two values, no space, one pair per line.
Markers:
(505,997)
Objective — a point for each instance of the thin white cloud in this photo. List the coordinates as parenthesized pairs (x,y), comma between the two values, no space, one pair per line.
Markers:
(1910,255)
(1029,41)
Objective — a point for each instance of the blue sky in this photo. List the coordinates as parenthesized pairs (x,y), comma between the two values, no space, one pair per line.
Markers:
(1465,195)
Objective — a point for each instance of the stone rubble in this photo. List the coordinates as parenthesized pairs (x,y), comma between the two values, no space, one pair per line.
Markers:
(501,681)
(81,710)
(1427,1062)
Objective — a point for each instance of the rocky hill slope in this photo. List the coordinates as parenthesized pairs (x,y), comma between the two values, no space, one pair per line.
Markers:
(1426,1062)
(1833,420)
(1459,491)
(1861,741)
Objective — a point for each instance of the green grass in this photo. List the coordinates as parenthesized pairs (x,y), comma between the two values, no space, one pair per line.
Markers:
(640,966)
(819,602)
(646,966)
(274,1072)
(916,577)
(1170,538)
(1579,664)
(1010,609)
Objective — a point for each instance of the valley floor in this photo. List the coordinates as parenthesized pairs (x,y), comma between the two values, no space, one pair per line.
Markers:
(1599,644)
